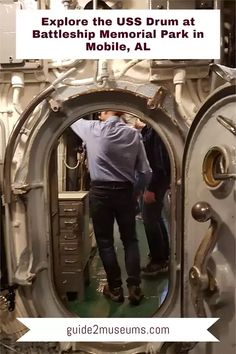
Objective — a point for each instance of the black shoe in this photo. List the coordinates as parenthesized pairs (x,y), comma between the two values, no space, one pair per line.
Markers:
(154,269)
(135,294)
(115,294)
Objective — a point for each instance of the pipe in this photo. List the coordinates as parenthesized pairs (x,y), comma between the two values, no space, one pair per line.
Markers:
(179,80)
(129,65)
(56,72)
(200,90)
(8,245)
(3,138)
(37,111)
(193,94)
(178,99)
(104,77)
(64,75)
(91,80)
(16,99)
(214,78)
(150,4)
(6,111)
(73,82)
(17,82)
(63,64)
(95,4)
(3,128)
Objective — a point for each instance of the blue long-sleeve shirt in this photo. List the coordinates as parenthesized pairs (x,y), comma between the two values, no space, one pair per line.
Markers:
(115,151)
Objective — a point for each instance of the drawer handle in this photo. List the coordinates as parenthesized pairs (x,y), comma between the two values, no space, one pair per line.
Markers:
(69,210)
(69,222)
(70,248)
(70,237)
(68,261)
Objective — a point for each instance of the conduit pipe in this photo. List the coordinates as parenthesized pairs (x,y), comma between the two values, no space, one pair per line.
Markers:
(9,246)
(179,80)
(128,66)
(91,80)
(5,110)
(102,73)
(193,94)
(63,64)
(200,90)
(3,138)
(101,82)
(17,82)
(80,82)
(3,128)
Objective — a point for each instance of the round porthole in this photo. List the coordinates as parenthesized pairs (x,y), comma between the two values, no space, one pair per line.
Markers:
(215,164)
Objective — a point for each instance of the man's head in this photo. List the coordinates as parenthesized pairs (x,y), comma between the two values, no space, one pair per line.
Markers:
(101,5)
(104,115)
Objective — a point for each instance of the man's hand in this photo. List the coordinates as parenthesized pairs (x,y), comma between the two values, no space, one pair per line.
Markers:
(149,197)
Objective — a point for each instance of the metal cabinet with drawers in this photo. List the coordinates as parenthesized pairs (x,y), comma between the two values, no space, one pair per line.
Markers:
(72,244)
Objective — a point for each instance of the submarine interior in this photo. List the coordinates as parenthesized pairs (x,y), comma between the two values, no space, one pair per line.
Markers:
(50,265)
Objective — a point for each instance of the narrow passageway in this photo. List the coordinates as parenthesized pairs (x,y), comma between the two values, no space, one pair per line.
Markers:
(95,305)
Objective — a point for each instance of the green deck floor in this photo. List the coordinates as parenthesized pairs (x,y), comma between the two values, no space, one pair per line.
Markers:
(95,305)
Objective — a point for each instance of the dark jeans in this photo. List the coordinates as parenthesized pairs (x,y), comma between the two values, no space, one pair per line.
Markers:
(157,236)
(107,203)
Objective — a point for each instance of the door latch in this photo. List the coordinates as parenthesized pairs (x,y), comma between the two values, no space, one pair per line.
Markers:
(227,124)
(202,282)
(224,176)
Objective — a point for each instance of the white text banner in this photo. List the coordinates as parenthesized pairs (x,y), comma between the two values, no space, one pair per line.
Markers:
(118,329)
(119,34)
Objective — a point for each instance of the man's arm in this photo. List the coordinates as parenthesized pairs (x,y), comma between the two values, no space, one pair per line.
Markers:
(81,127)
(159,161)
(143,169)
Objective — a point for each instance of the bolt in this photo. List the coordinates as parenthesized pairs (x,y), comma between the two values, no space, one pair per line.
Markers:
(193,274)
(55,105)
(201,211)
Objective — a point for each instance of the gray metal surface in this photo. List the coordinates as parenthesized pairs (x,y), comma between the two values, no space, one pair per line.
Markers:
(219,299)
